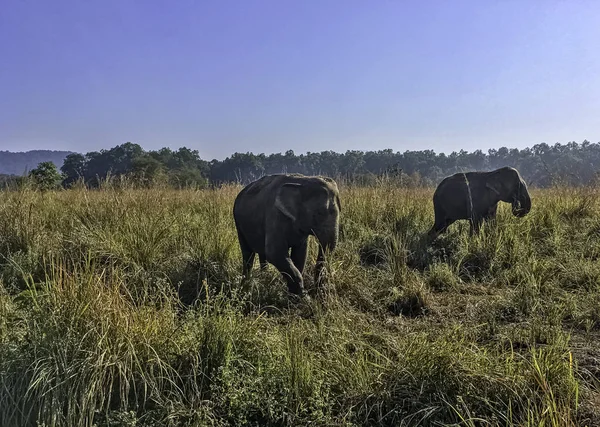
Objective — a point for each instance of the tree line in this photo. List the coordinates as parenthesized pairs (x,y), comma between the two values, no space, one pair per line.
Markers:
(542,165)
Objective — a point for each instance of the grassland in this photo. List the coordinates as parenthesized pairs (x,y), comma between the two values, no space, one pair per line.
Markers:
(125,307)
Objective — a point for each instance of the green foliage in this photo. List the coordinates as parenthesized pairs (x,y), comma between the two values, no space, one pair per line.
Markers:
(45,176)
(73,168)
(542,165)
(179,169)
(125,307)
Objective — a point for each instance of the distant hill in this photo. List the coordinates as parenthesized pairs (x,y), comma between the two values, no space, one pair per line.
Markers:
(19,163)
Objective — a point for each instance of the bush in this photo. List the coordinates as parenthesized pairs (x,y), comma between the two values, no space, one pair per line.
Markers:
(45,176)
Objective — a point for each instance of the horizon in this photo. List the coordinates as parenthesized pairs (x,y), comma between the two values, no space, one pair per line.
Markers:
(486,152)
(263,77)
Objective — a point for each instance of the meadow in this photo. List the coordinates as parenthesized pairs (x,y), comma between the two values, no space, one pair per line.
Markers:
(125,307)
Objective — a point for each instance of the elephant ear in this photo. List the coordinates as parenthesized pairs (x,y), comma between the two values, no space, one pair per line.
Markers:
(288,200)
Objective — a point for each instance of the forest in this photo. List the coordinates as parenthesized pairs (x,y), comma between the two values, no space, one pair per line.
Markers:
(542,165)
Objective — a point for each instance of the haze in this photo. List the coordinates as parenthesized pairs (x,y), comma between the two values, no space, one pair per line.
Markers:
(268,76)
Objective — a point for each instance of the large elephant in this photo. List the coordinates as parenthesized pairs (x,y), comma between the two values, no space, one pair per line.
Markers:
(475,196)
(277,213)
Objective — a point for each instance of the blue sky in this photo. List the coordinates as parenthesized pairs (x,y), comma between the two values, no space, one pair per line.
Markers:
(267,76)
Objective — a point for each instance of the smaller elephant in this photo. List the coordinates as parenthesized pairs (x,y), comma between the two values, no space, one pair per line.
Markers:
(277,213)
(475,196)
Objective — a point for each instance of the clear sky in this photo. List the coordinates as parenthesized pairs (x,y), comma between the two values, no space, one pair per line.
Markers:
(270,75)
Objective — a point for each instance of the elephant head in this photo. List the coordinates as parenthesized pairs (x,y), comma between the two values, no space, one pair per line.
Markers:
(274,217)
(510,187)
(313,206)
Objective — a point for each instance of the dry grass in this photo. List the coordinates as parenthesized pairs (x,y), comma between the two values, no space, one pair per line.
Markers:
(125,307)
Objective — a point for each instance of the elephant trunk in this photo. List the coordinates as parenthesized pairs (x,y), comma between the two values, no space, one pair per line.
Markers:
(522,203)
(328,240)
(327,237)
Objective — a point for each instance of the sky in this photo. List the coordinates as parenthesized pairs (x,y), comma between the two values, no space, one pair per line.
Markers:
(225,76)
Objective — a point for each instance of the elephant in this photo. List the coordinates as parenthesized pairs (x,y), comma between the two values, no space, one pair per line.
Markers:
(279,212)
(475,196)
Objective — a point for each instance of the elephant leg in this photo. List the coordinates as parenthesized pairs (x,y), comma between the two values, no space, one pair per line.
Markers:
(478,220)
(439,227)
(436,230)
(491,213)
(299,255)
(320,265)
(277,254)
(476,224)
(248,263)
(263,261)
(247,255)
(441,223)
(290,273)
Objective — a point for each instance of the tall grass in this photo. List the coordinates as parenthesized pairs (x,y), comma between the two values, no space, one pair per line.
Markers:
(126,307)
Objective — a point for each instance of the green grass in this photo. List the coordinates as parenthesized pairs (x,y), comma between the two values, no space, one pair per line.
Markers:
(126,307)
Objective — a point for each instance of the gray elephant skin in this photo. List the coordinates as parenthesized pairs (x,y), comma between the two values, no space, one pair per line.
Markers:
(475,196)
(277,213)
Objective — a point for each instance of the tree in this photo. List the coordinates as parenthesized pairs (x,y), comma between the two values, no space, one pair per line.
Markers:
(46,176)
(541,165)
(73,168)
(147,170)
